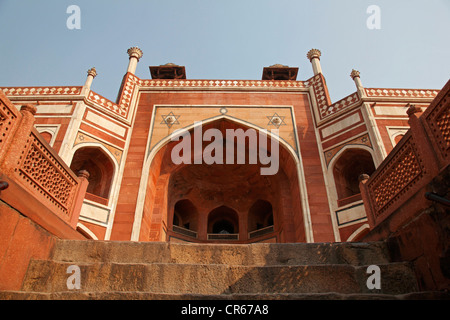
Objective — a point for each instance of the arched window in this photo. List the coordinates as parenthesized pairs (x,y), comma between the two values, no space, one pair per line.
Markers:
(100,168)
(260,215)
(185,215)
(223,226)
(347,169)
(223,220)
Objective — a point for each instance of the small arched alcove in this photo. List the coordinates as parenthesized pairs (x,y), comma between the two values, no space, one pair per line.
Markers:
(223,222)
(346,171)
(100,168)
(185,215)
(260,219)
(260,215)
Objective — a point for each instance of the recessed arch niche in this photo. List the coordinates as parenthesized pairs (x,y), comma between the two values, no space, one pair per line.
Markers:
(210,186)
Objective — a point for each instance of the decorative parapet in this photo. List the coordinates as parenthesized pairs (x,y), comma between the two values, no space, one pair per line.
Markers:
(108,104)
(436,121)
(224,84)
(132,83)
(340,105)
(396,177)
(323,101)
(122,108)
(39,180)
(421,154)
(40,169)
(401,93)
(8,123)
(37,91)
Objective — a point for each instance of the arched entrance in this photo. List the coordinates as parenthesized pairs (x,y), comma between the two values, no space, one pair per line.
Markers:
(223,194)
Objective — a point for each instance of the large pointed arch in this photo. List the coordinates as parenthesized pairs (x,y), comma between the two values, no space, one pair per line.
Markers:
(152,171)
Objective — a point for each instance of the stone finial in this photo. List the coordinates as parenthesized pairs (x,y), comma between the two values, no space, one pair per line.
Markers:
(135,52)
(354,73)
(29,108)
(413,109)
(313,53)
(92,72)
(83,174)
(359,87)
(363,177)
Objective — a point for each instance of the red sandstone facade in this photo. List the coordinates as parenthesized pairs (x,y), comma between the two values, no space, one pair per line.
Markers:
(135,191)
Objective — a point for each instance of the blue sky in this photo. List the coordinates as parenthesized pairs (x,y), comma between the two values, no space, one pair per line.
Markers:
(226,39)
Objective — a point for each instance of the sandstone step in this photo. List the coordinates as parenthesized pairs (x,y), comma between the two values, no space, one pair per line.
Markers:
(228,254)
(217,279)
(132,295)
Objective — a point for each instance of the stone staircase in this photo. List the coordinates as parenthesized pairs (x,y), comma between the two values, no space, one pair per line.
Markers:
(132,270)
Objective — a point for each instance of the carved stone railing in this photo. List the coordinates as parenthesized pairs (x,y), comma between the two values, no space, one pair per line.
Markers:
(261,232)
(422,153)
(222,236)
(40,185)
(184,231)
(97,199)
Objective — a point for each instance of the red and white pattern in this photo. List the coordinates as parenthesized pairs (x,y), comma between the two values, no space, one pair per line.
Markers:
(223,83)
(401,93)
(107,104)
(341,104)
(321,97)
(23,91)
(121,108)
(130,84)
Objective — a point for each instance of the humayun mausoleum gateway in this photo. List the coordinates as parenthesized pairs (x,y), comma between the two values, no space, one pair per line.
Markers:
(80,166)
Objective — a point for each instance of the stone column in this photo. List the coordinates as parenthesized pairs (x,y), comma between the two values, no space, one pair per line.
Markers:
(365,195)
(135,54)
(83,178)
(314,57)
